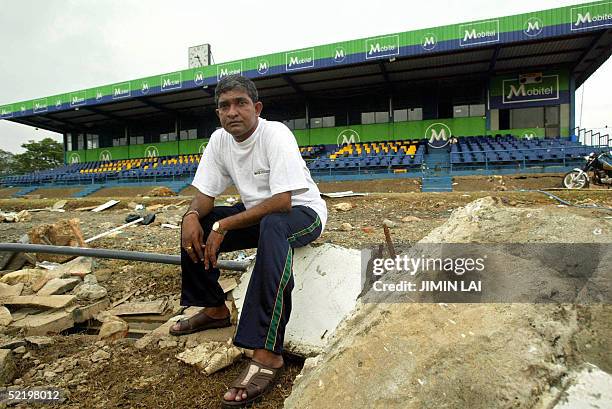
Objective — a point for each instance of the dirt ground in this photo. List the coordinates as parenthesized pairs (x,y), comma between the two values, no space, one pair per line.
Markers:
(154,378)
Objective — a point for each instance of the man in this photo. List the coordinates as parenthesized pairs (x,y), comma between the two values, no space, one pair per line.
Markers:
(282,209)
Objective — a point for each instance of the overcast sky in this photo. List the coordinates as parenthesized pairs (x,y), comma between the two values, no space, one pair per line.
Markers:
(55,46)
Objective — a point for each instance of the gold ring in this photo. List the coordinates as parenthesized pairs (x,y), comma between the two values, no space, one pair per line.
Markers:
(188,248)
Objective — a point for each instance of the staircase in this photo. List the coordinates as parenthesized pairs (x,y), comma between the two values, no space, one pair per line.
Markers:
(437,176)
(25,191)
(88,190)
(177,185)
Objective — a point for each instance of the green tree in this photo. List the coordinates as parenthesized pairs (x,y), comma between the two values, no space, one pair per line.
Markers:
(44,154)
(7,163)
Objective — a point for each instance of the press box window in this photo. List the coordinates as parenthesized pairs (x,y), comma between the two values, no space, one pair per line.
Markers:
(290,123)
(300,123)
(400,115)
(136,140)
(382,117)
(316,123)
(477,110)
(461,111)
(415,114)
(92,141)
(329,121)
(68,141)
(120,141)
(368,118)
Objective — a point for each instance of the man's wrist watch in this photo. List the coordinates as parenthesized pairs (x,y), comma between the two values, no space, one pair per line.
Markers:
(216,227)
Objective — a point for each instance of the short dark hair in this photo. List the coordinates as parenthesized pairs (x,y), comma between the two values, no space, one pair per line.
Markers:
(232,82)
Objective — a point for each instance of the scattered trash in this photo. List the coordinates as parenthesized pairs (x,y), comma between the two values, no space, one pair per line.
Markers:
(170,226)
(597,231)
(343,206)
(105,206)
(13,217)
(144,220)
(410,219)
(367,229)
(389,223)
(348,193)
(346,227)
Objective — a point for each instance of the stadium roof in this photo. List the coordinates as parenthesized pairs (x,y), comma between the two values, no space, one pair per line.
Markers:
(578,37)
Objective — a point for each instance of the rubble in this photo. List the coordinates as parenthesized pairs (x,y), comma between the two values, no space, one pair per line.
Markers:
(5,316)
(343,206)
(58,286)
(90,290)
(161,191)
(113,328)
(15,217)
(7,367)
(327,283)
(62,233)
(211,357)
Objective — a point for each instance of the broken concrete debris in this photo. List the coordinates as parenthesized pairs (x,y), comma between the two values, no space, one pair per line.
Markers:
(211,357)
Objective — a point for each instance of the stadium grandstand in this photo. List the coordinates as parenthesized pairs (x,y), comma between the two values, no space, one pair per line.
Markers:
(496,95)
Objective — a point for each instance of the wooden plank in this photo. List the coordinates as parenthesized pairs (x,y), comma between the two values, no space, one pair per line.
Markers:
(140,308)
(85,313)
(228,284)
(47,301)
(45,323)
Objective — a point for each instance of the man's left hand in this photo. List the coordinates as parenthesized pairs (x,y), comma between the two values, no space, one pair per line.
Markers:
(213,243)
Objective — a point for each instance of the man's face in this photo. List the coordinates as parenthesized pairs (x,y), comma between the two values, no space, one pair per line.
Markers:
(237,112)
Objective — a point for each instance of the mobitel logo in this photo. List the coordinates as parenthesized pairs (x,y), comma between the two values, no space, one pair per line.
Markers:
(533,27)
(479,33)
(262,67)
(438,135)
(74,158)
(198,78)
(171,81)
(77,98)
(515,92)
(151,152)
(380,47)
(105,156)
(122,90)
(591,16)
(339,54)
(429,41)
(347,136)
(231,68)
(6,111)
(40,105)
(298,60)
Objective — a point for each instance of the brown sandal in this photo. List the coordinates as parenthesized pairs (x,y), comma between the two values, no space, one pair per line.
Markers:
(199,322)
(256,379)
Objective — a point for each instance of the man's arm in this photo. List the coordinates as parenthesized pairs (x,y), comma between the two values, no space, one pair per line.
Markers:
(278,203)
(192,235)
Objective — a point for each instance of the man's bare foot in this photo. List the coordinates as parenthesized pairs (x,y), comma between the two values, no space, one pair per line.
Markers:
(212,312)
(261,356)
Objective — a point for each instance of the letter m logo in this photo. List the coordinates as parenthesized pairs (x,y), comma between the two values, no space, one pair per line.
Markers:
(583,19)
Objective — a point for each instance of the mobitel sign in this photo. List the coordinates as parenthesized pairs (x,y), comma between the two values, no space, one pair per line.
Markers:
(591,16)
(479,33)
(515,92)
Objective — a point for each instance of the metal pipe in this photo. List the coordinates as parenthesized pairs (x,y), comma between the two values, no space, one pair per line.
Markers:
(114,254)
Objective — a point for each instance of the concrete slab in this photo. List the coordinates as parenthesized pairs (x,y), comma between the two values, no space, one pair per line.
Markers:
(591,388)
(327,283)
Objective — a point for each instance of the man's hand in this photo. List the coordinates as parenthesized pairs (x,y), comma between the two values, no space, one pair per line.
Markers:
(192,237)
(213,243)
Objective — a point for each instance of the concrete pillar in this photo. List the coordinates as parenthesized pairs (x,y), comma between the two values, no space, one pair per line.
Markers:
(494,120)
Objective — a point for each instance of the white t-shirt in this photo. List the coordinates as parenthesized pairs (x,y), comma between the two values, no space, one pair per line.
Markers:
(266,163)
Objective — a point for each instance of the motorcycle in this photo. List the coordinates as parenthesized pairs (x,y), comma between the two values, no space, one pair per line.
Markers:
(599,165)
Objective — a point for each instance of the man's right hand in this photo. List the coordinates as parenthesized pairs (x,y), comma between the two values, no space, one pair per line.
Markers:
(192,237)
